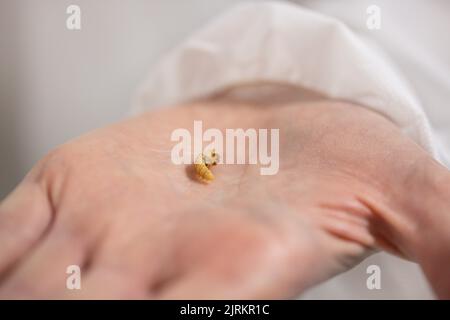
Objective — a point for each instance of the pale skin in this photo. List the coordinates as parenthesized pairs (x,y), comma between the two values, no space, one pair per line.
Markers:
(141,227)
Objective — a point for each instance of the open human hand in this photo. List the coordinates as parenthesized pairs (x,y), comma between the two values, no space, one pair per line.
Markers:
(141,227)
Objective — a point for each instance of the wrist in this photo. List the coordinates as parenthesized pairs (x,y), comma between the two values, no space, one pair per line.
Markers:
(432,239)
(425,209)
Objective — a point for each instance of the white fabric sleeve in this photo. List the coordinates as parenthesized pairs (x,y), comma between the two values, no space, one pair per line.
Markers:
(275,42)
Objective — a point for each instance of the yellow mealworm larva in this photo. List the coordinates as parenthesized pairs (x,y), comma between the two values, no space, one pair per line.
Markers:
(202,165)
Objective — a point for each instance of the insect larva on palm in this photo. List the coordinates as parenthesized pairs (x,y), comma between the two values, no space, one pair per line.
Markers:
(203,163)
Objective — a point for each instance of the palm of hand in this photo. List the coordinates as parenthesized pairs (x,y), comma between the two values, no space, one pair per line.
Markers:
(141,227)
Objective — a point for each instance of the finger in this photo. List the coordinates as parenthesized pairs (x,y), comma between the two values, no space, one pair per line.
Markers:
(43,273)
(24,216)
(139,249)
(208,284)
(141,256)
(107,283)
(251,271)
(129,261)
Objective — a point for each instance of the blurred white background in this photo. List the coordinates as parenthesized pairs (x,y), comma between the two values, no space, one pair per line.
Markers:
(56,84)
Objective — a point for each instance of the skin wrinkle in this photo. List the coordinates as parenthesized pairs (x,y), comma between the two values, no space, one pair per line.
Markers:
(349,222)
(384,224)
